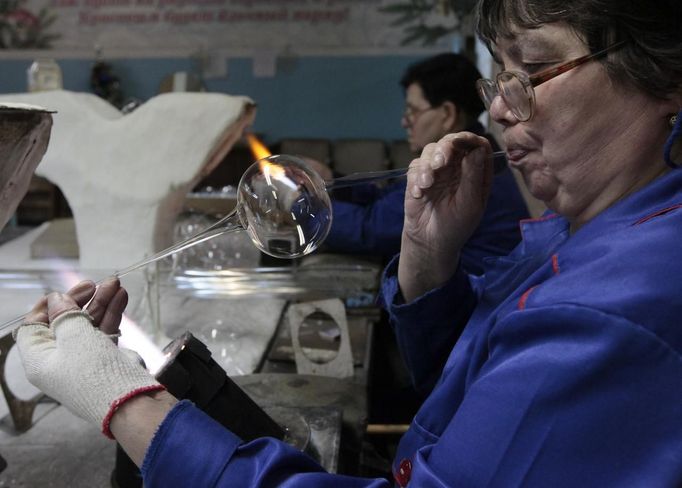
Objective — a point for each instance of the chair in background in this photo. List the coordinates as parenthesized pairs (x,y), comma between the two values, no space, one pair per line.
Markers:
(318,149)
(400,154)
(358,155)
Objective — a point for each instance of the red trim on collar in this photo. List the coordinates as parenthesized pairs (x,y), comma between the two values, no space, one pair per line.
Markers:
(524,297)
(539,219)
(657,214)
(404,473)
(555,263)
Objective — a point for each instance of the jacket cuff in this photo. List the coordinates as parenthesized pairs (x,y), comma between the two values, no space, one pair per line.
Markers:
(188,445)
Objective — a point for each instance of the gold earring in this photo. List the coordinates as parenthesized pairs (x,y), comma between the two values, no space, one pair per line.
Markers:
(673,120)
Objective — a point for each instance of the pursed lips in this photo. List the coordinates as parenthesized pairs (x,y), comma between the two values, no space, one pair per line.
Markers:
(515,154)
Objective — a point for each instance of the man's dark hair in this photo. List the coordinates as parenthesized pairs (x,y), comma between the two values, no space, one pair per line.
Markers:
(447,77)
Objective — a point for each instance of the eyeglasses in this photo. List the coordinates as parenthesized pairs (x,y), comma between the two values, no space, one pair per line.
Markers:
(517,88)
(411,114)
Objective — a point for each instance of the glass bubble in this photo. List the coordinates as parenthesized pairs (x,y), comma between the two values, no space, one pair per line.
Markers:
(284,206)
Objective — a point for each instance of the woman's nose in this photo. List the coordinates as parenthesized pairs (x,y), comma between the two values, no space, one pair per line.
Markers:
(500,112)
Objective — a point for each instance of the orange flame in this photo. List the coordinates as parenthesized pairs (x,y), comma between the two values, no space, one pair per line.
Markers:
(258,149)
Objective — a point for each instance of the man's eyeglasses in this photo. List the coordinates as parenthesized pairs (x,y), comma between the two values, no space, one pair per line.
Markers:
(517,88)
(411,114)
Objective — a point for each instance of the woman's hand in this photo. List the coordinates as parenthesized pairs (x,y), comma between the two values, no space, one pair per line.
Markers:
(447,189)
(106,304)
(69,354)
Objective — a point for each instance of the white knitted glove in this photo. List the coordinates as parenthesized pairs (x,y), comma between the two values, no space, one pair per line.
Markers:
(80,366)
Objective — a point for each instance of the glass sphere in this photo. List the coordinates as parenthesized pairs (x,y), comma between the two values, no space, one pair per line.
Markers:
(284,206)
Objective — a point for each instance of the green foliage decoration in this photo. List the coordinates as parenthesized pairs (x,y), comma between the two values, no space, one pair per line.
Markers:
(22,29)
(427,21)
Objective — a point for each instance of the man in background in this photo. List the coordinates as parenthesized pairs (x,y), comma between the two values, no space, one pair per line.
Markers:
(440,98)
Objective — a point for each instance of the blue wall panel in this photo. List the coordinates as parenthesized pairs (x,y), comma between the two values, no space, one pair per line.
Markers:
(330,97)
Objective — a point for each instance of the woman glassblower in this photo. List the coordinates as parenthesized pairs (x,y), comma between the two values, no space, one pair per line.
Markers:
(561,365)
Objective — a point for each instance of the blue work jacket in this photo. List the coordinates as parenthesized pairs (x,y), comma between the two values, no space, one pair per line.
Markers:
(560,366)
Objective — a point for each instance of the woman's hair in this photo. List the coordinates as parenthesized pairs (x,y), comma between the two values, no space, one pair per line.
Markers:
(447,77)
(650,59)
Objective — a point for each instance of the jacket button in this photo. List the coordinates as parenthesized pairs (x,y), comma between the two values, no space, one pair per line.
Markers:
(402,476)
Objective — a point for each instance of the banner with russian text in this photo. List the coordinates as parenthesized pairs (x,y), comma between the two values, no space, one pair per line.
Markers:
(196,24)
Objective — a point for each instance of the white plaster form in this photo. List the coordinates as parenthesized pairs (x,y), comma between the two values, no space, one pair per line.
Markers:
(126,176)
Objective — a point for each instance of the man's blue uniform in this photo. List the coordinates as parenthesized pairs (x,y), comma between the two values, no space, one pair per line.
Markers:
(373,222)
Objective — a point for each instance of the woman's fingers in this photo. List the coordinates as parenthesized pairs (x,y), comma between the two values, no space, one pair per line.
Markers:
(477,173)
(106,291)
(419,175)
(58,304)
(38,313)
(106,304)
(82,292)
(111,320)
(80,295)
